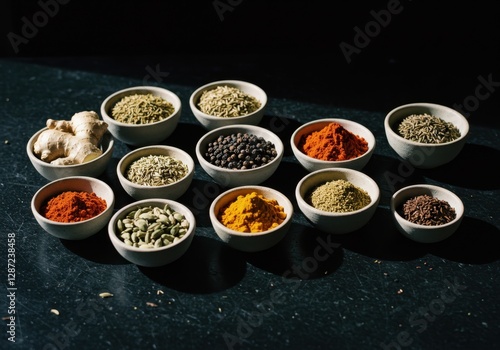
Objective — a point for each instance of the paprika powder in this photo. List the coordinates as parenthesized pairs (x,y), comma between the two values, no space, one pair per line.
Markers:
(333,143)
(73,206)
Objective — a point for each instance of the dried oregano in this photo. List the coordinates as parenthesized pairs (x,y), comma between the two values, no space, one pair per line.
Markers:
(156,170)
(425,128)
(141,109)
(339,196)
(427,210)
(227,101)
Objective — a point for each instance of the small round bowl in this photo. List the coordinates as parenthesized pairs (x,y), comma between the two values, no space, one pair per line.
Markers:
(211,122)
(152,257)
(250,242)
(74,230)
(337,223)
(232,177)
(142,134)
(423,233)
(171,191)
(93,168)
(313,164)
(425,155)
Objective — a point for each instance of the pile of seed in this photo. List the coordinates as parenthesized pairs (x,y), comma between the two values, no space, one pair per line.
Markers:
(152,227)
(156,170)
(227,101)
(425,128)
(427,210)
(240,151)
(141,109)
(340,196)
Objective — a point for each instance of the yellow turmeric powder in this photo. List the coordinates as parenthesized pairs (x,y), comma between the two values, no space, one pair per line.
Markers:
(252,213)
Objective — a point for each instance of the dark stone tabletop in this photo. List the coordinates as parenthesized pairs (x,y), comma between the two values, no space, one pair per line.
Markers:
(375,288)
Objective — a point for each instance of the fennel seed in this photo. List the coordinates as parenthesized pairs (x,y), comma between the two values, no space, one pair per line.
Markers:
(142,109)
(226,101)
(156,170)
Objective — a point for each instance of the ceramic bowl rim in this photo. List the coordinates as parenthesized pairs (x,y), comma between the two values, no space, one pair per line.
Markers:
(192,103)
(107,139)
(110,206)
(278,144)
(249,188)
(341,121)
(105,105)
(389,129)
(122,177)
(319,212)
(141,203)
(413,225)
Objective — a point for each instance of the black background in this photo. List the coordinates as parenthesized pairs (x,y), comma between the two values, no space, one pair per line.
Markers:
(428,51)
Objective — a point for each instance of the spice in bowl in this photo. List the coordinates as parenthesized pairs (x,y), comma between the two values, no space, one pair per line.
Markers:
(156,170)
(240,151)
(73,206)
(339,196)
(427,210)
(333,143)
(141,109)
(152,227)
(426,128)
(252,213)
(227,101)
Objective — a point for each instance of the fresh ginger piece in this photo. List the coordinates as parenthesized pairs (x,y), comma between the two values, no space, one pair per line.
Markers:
(71,142)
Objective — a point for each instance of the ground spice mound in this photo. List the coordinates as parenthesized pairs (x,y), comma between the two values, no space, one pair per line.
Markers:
(339,196)
(427,210)
(333,143)
(252,213)
(72,206)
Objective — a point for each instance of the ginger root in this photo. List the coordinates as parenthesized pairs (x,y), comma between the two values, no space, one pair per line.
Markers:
(71,142)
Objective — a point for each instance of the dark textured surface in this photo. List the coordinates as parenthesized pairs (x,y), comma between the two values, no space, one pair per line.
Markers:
(367,290)
(359,291)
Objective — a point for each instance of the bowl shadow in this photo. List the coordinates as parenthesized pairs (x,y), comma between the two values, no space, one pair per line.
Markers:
(477,157)
(97,248)
(475,242)
(208,266)
(305,253)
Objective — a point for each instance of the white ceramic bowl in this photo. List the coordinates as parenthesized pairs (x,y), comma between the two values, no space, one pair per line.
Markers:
(332,222)
(211,122)
(423,233)
(232,177)
(313,164)
(152,257)
(250,242)
(74,230)
(171,191)
(425,155)
(142,134)
(93,168)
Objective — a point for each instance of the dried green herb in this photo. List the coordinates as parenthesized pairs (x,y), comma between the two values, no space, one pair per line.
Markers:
(156,170)
(227,101)
(141,109)
(425,128)
(339,196)
(427,210)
